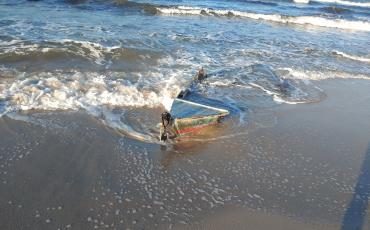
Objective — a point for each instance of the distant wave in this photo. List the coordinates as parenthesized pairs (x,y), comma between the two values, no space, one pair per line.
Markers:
(146,7)
(301,1)
(262,3)
(73,1)
(301,20)
(336,10)
(14,51)
(17,50)
(352,57)
(346,3)
(341,2)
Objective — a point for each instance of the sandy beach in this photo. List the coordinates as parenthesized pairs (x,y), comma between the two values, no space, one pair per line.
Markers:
(301,170)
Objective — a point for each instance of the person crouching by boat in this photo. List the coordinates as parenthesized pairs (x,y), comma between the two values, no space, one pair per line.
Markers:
(167,130)
(201,74)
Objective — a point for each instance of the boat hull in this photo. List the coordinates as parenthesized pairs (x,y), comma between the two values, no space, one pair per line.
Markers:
(185,126)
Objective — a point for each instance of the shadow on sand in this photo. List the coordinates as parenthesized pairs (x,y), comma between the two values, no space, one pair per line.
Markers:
(356,211)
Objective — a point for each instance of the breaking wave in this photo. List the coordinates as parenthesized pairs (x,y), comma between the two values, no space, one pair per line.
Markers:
(146,7)
(117,101)
(54,91)
(14,51)
(104,96)
(301,1)
(345,3)
(300,20)
(352,57)
(336,10)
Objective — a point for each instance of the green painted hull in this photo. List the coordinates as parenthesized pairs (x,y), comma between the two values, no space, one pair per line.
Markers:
(190,117)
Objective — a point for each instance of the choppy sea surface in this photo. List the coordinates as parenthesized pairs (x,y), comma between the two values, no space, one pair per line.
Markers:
(123,62)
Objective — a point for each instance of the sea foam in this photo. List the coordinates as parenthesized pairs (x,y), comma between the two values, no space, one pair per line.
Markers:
(313,75)
(90,50)
(301,20)
(53,91)
(301,1)
(346,3)
(352,57)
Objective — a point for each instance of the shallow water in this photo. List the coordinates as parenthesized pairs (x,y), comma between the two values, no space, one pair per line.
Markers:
(110,57)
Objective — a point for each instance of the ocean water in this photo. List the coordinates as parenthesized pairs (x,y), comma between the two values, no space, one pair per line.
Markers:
(123,62)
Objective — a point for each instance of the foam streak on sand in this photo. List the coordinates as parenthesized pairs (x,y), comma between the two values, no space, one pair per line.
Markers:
(301,20)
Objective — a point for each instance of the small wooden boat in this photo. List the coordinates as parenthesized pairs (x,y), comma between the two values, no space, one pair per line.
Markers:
(188,117)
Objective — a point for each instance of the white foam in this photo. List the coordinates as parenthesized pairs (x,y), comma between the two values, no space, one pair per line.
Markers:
(346,3)
(10,43)
(91,50)
(353,57)
(114,121)
(302,1)
(322,75)
(94,48)
(49,92)
(301,20)
(19,47)
(97,94)
(274,95)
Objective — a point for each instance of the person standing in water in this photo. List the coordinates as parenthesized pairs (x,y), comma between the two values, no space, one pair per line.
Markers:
(201,74)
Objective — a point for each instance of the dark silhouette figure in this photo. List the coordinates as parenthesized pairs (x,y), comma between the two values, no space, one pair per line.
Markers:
(356,211)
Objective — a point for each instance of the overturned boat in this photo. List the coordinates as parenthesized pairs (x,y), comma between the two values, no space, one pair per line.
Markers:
(186,117)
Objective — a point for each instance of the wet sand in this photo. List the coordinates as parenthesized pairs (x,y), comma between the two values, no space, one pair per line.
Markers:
(294,167)
(312,170)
